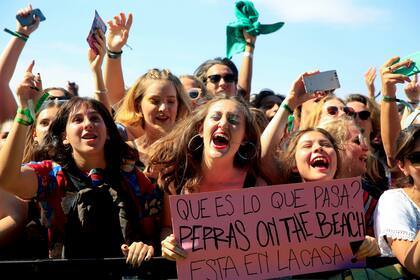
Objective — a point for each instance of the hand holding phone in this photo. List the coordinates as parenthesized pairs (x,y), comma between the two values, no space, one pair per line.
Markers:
(98,23)
(29,19)
(322,81)
(414,66)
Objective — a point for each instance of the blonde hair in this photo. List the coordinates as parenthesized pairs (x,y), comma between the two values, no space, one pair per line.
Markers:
(129,113)
(312,120)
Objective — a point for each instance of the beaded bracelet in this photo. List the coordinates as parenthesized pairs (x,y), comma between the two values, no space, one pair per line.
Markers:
(17,34)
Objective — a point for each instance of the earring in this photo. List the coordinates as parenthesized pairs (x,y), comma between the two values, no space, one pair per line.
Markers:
(247,151)
(194,141)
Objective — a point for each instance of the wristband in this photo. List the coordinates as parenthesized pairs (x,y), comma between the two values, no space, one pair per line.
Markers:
(25,112)
(19,35)
(114,55)
(389,99)
(248,54)
(287,108)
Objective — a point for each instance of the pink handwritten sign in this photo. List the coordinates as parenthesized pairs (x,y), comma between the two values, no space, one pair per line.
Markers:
(267,232)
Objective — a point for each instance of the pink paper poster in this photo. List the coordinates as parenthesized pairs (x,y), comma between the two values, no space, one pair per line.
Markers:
(266,232)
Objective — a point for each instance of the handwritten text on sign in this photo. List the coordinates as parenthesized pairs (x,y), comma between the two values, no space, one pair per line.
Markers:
(270,231)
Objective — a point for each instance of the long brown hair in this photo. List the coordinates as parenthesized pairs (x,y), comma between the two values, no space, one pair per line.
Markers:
(182,148)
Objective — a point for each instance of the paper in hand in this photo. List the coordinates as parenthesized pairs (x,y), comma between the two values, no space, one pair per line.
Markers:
(98,23)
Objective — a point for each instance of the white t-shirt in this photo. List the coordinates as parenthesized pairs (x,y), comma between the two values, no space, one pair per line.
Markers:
(396,217)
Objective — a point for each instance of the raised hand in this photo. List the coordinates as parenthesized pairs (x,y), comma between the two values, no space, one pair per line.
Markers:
(389,79)
(412,90)
(298,94)
(118,30)
(27,30)
(30,88)
(96,59)
(370,77)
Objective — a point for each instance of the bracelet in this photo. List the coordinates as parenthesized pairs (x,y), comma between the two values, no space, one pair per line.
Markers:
(414,103)
(99,91)
(287,108)
(114,55)
(248,54)
(19,35)
(389,99)
(250,44)
(25,112)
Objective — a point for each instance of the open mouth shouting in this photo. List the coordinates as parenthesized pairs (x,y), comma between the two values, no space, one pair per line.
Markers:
(89,136)
(320,163)
(220,140)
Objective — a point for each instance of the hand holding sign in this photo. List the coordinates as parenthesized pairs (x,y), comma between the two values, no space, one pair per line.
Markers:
(171,249)
(98,23)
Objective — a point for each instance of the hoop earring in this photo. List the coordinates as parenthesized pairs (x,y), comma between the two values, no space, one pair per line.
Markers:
(192,144)
(247,151)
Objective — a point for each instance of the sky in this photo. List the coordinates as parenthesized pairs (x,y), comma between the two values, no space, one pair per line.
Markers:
(346,35)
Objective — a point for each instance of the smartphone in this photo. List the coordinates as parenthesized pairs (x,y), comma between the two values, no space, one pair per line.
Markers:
(29,19)
(414,67)
(97,23)
(322,81)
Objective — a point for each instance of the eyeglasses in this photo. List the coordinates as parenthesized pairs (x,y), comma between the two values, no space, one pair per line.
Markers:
(333,110)
(414,158)
(363,115)
(228,78)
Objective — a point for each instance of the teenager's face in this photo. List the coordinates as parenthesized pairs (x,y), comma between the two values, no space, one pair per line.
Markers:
(355,153)
(220,79)
(159,107)
(43,122)
(316,159)
(270,105)
(85,132)
(223,130)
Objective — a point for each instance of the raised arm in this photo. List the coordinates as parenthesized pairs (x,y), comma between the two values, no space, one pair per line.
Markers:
(18,180)
(95,62)
(8,61)
(412,91)
(390,120)
(274,132)
(118,31)
(245,72)
(370,77)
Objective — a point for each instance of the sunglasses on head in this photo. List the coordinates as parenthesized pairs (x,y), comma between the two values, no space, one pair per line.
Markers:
(228,78)
(414,158)
(333,110)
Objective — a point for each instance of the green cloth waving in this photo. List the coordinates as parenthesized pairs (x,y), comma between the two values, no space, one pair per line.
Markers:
(246,18)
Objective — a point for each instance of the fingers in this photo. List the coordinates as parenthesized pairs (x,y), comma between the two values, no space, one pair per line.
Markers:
(414,80)
(137,252)
(129,21)
(368,248)
(125,249)
(30,67)
(171,250)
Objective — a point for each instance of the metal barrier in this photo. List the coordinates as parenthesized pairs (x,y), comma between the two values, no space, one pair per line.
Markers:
(107,268)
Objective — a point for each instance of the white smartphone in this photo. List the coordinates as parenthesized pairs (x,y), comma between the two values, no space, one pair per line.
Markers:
(322,81)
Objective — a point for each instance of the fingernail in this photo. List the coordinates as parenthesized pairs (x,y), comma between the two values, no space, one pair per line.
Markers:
(147,258)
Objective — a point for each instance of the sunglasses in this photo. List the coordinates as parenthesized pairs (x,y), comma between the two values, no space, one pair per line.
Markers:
(333,110)
(414,158)
(228,78)
(363,115)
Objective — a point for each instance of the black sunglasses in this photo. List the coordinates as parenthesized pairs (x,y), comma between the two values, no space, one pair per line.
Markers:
(228,78)
(363,115)
(333,110)
(414,158)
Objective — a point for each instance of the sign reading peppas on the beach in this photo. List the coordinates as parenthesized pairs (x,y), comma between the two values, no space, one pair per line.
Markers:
(267,232)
